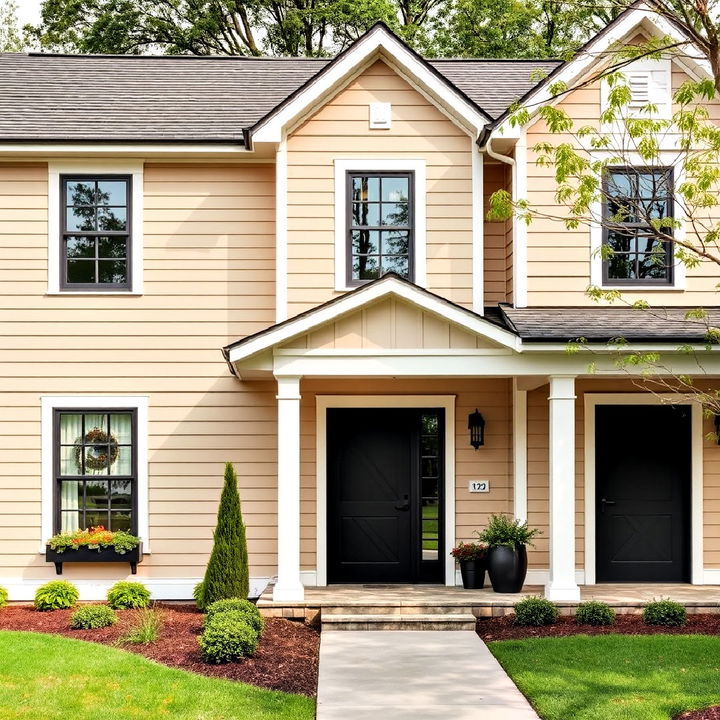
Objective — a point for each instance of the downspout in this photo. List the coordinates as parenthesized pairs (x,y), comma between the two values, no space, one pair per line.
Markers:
(519,229)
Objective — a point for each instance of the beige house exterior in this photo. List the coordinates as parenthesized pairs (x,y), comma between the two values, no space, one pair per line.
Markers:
(200,303)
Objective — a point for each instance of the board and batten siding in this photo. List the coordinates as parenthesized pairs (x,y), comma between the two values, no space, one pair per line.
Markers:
(209,279)
(340,129)
(558,258)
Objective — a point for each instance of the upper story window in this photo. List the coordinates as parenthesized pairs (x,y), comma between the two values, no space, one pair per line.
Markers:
(95,469)
(379,225)
(95,226)
(634,197)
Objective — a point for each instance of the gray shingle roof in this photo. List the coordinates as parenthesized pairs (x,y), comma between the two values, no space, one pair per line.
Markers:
(600,324)
(160,98)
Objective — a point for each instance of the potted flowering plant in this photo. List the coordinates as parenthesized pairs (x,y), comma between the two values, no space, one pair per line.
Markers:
(471,557)
(96,544)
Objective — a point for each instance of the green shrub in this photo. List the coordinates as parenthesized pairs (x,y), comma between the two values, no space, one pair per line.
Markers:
(92,617)
(535,611)
(124,595)
(665,612)
(252,614)
(227,573)
(3,597)
(227,637)
(56,595)
(145,629)
(503,530)
(594,612)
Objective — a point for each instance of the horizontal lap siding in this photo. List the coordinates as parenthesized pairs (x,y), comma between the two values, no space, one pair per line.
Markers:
(491,462)
(497,244)
(209,279)
(340,130)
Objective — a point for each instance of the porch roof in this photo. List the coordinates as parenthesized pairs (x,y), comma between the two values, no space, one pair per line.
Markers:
(601,324)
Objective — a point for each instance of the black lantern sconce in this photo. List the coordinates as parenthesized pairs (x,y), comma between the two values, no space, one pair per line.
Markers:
(476,426)
(717,428)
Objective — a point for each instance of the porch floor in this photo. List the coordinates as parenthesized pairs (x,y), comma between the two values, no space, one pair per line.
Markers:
(625,598)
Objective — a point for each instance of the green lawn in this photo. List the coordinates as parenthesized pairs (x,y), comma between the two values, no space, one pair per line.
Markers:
(614,677)
(47,677)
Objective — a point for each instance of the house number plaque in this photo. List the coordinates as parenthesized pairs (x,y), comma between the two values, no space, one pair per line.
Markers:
(479,486)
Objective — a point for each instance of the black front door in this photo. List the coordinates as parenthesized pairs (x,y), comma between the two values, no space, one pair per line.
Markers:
(384,480)
(643,469)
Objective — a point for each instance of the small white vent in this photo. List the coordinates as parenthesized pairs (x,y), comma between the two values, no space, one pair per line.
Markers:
(639,89)
(380,116)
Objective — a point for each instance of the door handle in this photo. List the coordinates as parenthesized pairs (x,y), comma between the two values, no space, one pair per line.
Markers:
(405,506)
(604,502)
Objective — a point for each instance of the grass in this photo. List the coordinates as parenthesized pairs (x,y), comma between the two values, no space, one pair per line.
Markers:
(430,526)
(614,677)
(48,677)
(145,629)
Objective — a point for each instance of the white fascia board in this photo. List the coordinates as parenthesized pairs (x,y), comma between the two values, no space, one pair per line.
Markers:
(372,293)
(377,41)
(637,18)
(90,149)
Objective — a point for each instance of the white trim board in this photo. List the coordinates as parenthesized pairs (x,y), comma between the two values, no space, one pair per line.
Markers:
(323,402)
(342,166)
(592,400)
(22,589)
(48,404)
(132,167)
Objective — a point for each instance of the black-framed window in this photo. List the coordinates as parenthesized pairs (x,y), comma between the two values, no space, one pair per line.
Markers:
(634,198)
(379,225)
(95,467)
(95,246)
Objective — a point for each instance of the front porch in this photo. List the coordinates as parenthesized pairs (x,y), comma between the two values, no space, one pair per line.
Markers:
(408,600)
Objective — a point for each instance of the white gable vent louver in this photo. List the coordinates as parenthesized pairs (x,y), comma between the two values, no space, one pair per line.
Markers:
(639,89)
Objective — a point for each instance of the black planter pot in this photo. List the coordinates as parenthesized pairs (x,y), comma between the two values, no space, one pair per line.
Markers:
(473,574)
(507,568)
(84,554)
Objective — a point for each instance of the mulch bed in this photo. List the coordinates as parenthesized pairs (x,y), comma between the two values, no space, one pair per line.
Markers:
(711,713)
(503,628)
(286,658)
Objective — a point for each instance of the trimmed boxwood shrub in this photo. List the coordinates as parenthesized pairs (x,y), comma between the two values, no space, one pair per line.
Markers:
(56,595)
(535,611)
(124,595)
(92,617)
(594,612)
(227,637)
(665,612)
(252,614)
(3,597)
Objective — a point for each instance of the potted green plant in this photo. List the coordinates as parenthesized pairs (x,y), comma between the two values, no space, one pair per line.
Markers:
(507,539)
(471,557)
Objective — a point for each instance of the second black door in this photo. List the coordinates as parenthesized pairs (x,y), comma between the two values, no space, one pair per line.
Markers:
(384,480)
(643,493)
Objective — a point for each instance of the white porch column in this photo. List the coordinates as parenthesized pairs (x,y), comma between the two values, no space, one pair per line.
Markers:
(288,586)
(562,585)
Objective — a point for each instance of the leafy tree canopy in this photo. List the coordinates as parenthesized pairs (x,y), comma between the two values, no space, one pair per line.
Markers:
(11,39)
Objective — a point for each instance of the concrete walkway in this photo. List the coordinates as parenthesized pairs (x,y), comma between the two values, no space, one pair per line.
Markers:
(414,675)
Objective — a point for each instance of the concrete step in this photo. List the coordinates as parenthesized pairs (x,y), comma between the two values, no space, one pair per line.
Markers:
(397,609)
(391,621)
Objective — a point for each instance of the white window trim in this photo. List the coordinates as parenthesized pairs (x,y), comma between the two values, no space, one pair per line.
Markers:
(49,403)
(592,400)
(131,167)
(323,402)
(364,164)
(679,283)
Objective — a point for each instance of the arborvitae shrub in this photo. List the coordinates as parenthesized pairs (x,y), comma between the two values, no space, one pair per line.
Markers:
(227,574)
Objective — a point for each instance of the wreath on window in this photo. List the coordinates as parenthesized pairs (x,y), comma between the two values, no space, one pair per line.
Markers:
(97,458)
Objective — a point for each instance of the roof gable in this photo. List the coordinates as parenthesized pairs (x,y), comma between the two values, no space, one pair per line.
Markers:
(391,286)
(377,43)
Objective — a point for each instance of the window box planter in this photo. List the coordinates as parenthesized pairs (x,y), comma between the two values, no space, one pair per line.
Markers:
(85,554)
